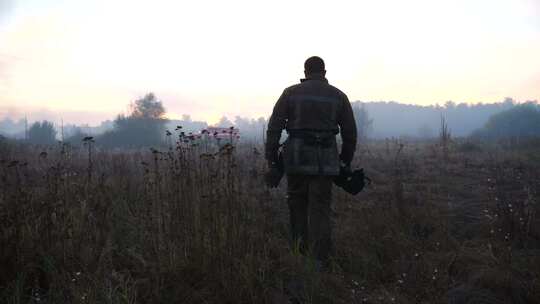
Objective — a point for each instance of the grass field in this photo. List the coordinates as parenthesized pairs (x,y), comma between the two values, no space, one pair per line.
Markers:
(193,224)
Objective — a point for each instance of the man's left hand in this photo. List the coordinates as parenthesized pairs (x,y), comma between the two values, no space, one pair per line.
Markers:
(272,177)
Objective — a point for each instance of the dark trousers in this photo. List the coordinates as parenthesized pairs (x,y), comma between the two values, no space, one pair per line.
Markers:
(309,198)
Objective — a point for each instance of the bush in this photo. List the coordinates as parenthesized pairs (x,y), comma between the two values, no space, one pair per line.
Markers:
(144,127)
(468,147)
(520,121)
(134,132)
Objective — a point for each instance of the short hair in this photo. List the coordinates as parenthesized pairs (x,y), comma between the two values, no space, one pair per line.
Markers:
(314,65)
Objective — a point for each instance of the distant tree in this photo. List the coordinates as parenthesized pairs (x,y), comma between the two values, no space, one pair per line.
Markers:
(250,128)
(144,126)
(186,117)
(519,121)
(508,102)
(147,107)
(395,119)
(187,124)
(12,128)
(364,123)
(224,122)
(462,106)
(243,124)
(262,121)
(42,133)
(449,105)
(444,136)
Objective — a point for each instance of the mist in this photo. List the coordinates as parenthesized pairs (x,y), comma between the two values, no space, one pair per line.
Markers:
(394,119)
(389,119)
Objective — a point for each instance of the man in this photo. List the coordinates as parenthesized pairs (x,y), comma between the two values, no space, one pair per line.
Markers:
(312,112)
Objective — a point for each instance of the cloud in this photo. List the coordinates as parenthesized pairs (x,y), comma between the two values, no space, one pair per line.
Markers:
(6,64)
(44,113)
(99,55)
(6,7)
(3,72)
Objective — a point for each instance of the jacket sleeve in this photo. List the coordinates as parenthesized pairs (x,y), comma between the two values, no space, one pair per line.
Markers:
(347,126)
(276,124)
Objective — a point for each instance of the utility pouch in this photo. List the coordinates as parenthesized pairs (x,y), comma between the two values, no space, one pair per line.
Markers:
(311,153)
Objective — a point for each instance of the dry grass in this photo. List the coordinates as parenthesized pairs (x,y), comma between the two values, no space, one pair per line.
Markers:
(193,224)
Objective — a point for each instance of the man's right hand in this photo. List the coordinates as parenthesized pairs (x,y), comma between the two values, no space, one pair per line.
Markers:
(345,169)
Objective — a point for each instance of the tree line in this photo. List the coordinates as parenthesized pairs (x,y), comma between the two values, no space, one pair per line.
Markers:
(393,119)
(146,125)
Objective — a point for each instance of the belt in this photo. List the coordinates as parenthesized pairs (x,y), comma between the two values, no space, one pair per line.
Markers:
(322,138)
(309,132)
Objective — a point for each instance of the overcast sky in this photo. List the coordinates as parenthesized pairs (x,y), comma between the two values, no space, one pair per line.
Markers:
(87,60)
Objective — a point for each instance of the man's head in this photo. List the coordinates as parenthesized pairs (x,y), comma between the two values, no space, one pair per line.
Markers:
(314,66)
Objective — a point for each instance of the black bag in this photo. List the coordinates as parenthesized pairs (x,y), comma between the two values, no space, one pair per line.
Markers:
(352,182)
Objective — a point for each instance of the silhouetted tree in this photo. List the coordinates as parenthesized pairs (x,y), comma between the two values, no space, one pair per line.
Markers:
(444,136)
(224,122)
(145,126)
(509,102)
(363,123)
(42,133)
(449,105)
(148,107)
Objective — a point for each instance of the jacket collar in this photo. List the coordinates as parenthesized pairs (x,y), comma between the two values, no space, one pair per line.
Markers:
(318,77)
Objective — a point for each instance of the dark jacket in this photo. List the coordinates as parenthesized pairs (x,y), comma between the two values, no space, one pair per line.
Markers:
(312,112)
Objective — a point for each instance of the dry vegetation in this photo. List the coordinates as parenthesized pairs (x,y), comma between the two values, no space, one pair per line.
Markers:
(191,224)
